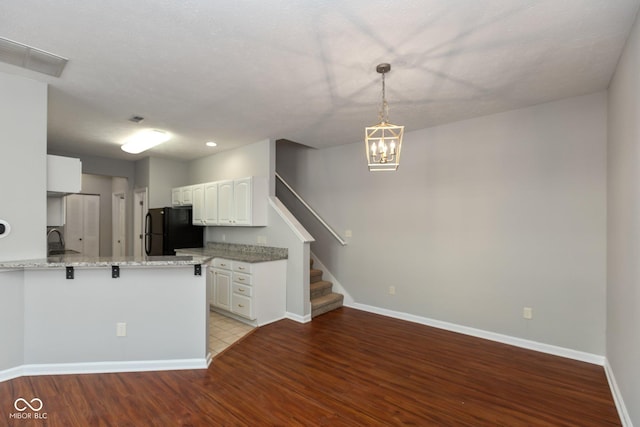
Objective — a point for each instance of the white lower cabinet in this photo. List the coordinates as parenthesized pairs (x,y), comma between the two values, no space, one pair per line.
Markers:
(252,291)
(221,292)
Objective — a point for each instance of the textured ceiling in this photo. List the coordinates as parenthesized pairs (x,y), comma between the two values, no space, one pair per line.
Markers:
(240,71)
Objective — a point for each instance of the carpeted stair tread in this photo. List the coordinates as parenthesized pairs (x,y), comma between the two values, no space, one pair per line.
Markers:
(320,288)
(316,275)
(323,299)
(326,303)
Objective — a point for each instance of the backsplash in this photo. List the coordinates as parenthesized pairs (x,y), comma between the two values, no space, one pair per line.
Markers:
(248,249)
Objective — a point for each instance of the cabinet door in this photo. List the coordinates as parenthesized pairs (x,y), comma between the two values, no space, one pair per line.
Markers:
(198,210)
(225,203)
(187,196)
(211,203)
(222,289)
(176,196)
(242,201)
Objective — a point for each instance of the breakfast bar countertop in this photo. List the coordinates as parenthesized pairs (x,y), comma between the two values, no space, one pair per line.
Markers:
(79,260)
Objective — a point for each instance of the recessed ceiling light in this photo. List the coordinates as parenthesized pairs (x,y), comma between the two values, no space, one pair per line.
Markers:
(144,140)
(211,144)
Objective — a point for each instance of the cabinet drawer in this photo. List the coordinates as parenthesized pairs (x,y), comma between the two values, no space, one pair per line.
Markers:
(242,289)
(222,263)
(245,279)
(242,267)
(242,306)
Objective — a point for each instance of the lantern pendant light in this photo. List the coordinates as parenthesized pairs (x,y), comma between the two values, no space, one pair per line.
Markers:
(384,140)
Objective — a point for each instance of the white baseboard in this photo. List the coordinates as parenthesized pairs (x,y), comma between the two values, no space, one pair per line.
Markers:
(11,373)
(625,418)
(103,367)
(298,318)
(492,336)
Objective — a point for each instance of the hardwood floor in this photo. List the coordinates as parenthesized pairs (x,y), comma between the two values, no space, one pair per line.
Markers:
(347,367)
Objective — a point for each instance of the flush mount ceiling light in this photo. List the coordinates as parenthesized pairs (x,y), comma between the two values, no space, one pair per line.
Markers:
(211,144)
(384,140)
(31,58)
(145,140)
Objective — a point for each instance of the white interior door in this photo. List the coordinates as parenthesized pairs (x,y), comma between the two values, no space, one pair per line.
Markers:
(73,223)
(91,227)
(119,233)
(82,225)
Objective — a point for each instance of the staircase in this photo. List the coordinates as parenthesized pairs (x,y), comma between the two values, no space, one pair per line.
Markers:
(323,299)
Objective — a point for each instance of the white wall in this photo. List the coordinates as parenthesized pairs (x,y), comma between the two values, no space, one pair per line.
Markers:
(483,218)
(623,277)
(249,160)
(165,174)
(11,319)
(74,321)
(23,174)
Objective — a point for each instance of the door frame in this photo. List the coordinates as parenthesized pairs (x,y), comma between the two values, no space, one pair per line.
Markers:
(140,207)
(119,224)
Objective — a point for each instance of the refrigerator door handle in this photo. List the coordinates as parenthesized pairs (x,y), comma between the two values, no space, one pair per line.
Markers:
(147,234)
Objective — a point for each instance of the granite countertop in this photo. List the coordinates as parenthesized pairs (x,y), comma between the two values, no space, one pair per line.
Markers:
(79,260)
(236,252)
(188,256)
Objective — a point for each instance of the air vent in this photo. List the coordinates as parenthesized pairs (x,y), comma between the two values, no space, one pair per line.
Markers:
(31,58)
(136,119)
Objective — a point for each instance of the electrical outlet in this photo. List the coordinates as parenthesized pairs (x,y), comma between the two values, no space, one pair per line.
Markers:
(261,240)
(121,329)
(348,233)
(527,313)
(392,290)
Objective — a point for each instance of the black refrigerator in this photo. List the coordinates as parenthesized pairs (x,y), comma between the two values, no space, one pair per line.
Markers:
(168,229)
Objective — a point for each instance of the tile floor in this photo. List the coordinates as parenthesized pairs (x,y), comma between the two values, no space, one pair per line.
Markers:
(224,331)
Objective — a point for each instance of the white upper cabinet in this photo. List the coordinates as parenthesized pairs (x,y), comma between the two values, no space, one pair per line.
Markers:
(198,212)
(64,174)
(238,202)
(242,192)
(211,203)
(182,196)
(225,203)
(243,202)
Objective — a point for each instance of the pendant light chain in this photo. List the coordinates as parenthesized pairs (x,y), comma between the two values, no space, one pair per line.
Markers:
(384,108)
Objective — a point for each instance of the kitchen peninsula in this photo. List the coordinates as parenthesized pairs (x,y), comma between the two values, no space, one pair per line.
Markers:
(75,314)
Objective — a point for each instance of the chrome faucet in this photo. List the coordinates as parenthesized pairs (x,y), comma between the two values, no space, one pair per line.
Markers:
(60,238)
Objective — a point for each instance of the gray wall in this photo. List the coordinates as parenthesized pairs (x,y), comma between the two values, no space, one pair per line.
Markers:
(249,160)
(623,281)
(11,319)
(483,218)
(23,174)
